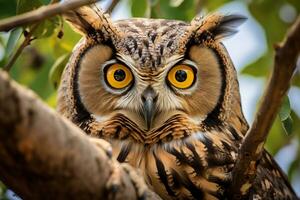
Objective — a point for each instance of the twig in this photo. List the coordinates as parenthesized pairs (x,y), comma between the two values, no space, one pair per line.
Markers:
(33,16)
(42,13)
(14,57)
(252,147)
(25,43)
(112,6)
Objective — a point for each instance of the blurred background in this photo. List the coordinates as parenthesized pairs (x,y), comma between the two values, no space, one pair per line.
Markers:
(40,65)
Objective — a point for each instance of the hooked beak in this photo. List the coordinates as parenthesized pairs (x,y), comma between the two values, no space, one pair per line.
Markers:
(149,107)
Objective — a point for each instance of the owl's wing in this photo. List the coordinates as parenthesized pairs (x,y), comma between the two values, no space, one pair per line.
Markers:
(203,167)
(271,182)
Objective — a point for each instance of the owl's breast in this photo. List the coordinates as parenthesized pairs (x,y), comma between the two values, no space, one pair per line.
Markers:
(195,167)
(184,162)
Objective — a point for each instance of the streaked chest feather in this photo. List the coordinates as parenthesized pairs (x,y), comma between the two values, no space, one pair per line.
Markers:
(183,160)
(194,168)
(177,164)
(191,164)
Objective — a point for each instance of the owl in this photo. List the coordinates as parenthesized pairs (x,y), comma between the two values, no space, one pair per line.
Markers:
(165,94)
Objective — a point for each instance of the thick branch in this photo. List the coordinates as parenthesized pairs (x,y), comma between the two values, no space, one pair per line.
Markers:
(42,13)
(250,151)
(44,156)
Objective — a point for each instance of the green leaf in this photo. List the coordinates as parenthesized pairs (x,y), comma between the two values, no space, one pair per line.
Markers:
(45,1)
(267,13)
(294,167)
(176,3)
(285,116)
(185,11)
(7,8)
(12,40)
(296,126)
(276,138)
(288,125)
(51,100)
(3,190)
(213,5)
(27,5)
(285,110)
(57,69)
(260,67)
(46,28)
(139,8)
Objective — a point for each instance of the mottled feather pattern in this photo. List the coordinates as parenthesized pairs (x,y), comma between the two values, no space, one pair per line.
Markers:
(202,158)
(148,42)
(192,147)
(199,163)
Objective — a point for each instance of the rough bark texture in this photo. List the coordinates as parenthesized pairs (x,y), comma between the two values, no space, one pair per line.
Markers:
(44,156)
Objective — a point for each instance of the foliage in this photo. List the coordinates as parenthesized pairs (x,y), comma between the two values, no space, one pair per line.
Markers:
(41,64)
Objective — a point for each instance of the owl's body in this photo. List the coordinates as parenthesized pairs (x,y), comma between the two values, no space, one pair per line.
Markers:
(165,94)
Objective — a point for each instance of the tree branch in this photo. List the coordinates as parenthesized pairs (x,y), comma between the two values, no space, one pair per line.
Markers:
(112,6)
(251,149)
(42,13)
(44,156)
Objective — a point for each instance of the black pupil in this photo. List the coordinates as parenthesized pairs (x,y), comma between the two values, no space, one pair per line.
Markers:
(180,75)
(119,75)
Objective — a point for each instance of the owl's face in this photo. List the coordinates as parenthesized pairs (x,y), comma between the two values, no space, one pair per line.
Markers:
(148,79)
(151,70)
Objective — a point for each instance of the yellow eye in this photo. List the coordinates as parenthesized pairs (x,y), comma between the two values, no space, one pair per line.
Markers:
(118,76)
(181,76)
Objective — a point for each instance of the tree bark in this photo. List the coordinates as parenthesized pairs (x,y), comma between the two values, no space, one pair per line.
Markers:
(45,156)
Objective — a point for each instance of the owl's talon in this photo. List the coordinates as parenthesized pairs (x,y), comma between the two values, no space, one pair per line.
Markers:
(138,181)
(104,145)
(114,182)
(114,188)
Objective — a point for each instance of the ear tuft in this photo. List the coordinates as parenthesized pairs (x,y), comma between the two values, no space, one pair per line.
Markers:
(82,19)
(216,26)
(227,26)
(90,20)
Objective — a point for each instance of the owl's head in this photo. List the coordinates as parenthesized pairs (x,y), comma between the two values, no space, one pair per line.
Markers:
(150,70)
